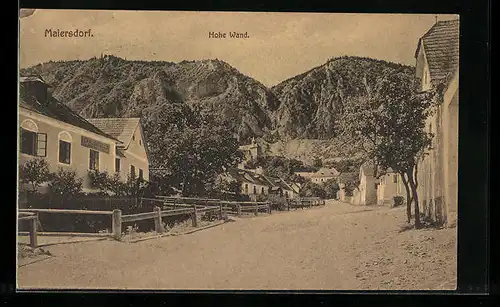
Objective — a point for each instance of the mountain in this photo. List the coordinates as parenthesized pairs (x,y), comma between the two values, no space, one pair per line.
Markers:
(312,102)
(113,87)
(296,117)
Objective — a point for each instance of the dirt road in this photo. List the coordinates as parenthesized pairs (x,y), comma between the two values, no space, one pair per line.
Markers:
(335,247)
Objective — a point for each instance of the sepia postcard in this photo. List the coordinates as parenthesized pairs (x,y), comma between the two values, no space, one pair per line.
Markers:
(187,150)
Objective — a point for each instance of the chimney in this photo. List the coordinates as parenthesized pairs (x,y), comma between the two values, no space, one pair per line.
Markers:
(37,88)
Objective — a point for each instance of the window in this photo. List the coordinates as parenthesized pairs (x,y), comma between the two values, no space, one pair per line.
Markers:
(117,165)
(262,190)
(140,142)
(254,190)
(64,152)
(141,174)
(133,137)
(246,187)
(28,142)
(94,160)
(395,178)
(33,143)
(132,171)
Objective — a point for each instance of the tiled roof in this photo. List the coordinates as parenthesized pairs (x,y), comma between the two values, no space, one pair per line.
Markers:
(326,172)
(32,79)
(254,178)
(246,176)
(56,110)
(120,128)
(441,47)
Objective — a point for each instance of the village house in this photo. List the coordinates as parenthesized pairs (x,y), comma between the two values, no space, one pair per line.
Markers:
(437,59)
(390,185)
(253,184)
(52,131)
(322,175)
(132,156)
(251,151)
(366,194)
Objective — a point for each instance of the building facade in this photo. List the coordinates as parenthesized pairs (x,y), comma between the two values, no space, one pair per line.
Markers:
(389,185)
(437,58)
(49,130)
(321,176)
(367,186)
(132,156)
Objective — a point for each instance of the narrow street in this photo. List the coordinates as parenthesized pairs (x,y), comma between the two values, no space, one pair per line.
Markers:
(335,247)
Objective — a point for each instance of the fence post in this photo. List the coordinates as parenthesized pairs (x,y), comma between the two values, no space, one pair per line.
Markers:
(268,207)
(238,208)
(256,210)
(158,223)
(33,232)
(117,224)
(221,212)
(194,216)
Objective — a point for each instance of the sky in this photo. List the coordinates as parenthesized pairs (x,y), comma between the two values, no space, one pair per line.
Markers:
(279,45)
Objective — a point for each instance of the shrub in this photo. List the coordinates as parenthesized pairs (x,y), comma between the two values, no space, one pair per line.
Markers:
(331,188)
(312,189)
(65,182)
(277,202)
(398,201)
(34,172)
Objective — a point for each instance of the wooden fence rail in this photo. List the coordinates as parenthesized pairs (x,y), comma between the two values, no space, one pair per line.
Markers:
(180,208)
(33,218)
(67,211)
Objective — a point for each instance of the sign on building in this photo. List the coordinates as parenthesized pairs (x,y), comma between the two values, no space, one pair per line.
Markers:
(94,144)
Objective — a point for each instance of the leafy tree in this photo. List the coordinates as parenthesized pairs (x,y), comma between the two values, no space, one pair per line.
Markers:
(331,188)
(317,163)
(34,172)
(312,189)
(389,129)
(65,182)
(190,148)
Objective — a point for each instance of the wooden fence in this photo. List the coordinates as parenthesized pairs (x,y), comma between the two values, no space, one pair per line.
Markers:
(163,207)
(33,220)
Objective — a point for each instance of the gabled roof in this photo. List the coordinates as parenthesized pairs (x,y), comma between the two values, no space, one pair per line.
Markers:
(33,79)
(55,109)
(120,128)
(247,177)
(326,172)
(278,183)
(441,47)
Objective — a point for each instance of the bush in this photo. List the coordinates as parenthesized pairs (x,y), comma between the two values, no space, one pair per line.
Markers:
(331,188)
(34,172)
(312,189)
(278,203)
(65,182)
(398,201)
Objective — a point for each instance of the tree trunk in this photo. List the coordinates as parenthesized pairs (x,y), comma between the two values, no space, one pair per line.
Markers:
(415,198)
(408,197)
